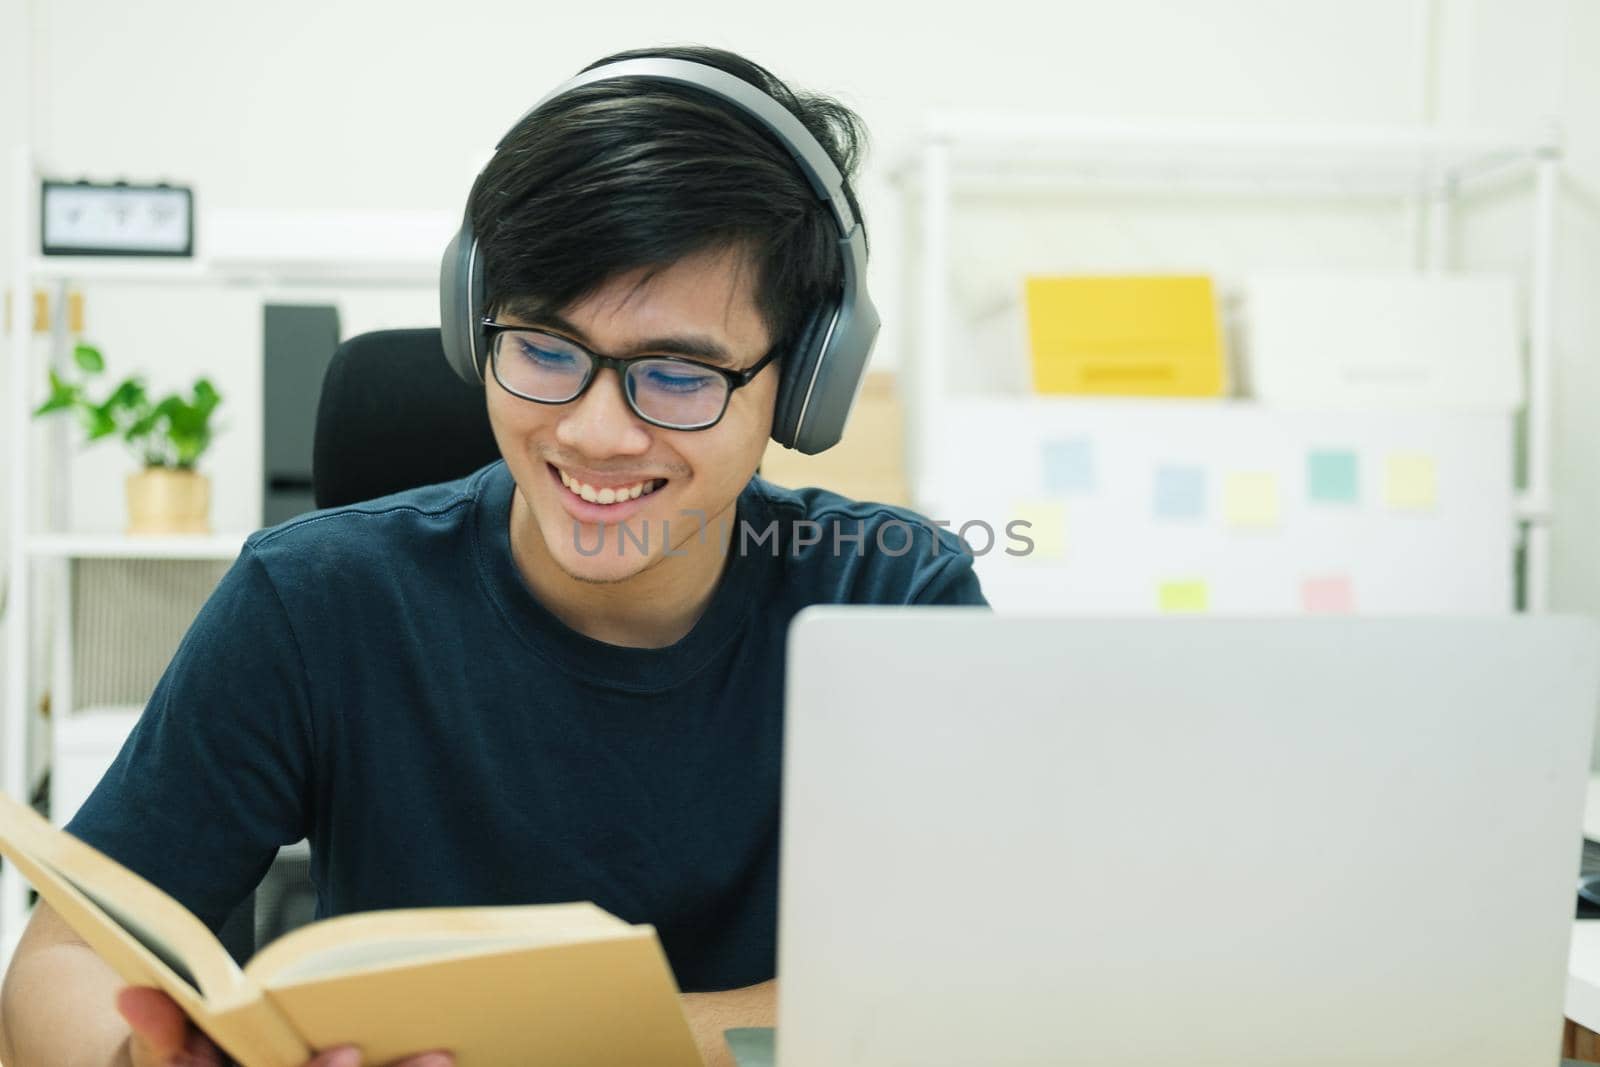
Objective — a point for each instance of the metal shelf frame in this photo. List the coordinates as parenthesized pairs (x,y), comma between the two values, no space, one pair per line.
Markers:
(960,152)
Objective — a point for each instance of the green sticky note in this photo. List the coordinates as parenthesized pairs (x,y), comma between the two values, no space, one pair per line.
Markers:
(1046,528)
(1187,595)
(1412,482)
(1251,499)
(1333,476)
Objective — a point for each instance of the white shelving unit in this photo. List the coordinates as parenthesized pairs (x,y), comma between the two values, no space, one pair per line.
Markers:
(963,152)
(270,254)
(111,546)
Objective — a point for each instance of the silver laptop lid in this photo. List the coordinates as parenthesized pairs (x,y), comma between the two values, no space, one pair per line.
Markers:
(1032,841)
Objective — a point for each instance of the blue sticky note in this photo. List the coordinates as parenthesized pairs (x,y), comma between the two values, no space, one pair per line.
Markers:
(1180,493)
(1333,476)
(1069,465)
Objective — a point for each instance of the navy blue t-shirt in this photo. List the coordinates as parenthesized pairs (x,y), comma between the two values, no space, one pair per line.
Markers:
(379,679)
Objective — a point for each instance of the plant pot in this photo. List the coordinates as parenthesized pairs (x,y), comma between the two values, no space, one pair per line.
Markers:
(165,501)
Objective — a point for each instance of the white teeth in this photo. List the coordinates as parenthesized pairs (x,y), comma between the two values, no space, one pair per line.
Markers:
(611,495)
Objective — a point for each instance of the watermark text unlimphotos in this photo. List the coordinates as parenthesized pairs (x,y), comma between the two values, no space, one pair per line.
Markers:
(838,537)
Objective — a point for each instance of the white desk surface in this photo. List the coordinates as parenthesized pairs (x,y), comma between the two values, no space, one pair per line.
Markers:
(1583,963)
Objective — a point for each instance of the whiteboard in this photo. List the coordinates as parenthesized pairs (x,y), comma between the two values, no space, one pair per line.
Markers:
(1228,507)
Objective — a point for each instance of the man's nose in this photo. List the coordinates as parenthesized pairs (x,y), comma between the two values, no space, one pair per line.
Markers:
(600,422)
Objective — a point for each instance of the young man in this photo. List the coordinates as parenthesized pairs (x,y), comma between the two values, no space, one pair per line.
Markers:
(561,677)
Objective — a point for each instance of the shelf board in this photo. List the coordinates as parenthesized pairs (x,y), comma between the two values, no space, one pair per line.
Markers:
(117,269)
(981,128)
(120,270)
(1000,150)
(219,546)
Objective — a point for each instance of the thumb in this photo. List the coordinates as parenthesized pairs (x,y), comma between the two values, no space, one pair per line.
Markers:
(155,1019)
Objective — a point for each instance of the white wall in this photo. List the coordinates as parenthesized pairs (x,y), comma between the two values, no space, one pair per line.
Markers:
(383,105)
(1525,64)
(1577,476)
(379,104)
(14,82)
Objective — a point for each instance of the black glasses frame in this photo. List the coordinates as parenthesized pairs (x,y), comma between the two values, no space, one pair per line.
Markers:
(736,379)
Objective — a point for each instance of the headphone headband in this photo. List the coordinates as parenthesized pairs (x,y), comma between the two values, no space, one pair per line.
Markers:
(778,120)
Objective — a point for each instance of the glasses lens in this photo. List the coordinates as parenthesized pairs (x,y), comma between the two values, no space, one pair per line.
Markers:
(540,365)
(676,393)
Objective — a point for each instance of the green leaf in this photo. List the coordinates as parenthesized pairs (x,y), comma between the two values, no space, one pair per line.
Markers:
(142,426)
(98,422)
(88,358)
(128,396)
(206,396)
(188,423)
(63,395)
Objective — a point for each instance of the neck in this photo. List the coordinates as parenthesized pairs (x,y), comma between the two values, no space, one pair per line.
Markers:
(654,608)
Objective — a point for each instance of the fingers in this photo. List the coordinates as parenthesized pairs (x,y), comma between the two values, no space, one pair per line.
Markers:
(427,1059)
(350,1056)
(343,1056)
(155,1019)
(166,1034)
(203,1052)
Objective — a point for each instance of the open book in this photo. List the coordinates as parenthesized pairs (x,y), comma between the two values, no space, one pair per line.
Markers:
(558,984)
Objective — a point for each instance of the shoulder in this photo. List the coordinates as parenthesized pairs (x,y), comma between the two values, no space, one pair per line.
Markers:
(842,516)
(842,550)
(426,526)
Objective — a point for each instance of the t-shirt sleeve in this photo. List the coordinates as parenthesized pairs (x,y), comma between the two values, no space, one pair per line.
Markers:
(952,581)
(216,775)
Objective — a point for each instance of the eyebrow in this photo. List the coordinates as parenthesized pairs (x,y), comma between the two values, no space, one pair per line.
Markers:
(695,345)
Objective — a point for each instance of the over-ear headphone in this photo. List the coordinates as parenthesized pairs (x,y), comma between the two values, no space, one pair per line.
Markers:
(821,372)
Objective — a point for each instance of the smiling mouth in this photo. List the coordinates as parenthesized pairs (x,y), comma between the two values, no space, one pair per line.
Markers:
(610,494)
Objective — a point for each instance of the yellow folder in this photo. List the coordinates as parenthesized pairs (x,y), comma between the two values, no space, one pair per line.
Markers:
(1127,335)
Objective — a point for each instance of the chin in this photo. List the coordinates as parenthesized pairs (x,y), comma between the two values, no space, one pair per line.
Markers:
(588,555)
(604,568)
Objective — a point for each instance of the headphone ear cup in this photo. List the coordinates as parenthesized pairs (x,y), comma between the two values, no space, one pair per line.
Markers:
(799,367)
(461,310)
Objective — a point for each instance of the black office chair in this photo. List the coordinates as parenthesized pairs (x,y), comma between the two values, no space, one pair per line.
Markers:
(393,416)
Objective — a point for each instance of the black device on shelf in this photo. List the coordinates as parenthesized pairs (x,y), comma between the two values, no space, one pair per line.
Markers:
(1589,881)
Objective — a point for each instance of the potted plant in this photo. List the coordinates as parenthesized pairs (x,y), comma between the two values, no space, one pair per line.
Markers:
(168,495)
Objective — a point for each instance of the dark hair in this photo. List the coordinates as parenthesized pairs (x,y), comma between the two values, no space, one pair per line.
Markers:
(633,173)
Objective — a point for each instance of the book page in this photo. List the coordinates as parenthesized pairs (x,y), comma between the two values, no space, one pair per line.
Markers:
(370,940)
(367,955)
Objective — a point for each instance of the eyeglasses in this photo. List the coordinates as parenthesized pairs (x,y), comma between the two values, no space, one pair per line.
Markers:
(667,391)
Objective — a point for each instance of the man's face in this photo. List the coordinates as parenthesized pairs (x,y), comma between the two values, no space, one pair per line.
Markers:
(597,440)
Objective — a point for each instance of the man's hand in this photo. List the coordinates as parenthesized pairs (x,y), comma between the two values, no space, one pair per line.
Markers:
(163,1037)
(710,1014)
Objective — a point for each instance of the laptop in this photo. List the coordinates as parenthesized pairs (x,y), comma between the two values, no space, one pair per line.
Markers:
(1015,840)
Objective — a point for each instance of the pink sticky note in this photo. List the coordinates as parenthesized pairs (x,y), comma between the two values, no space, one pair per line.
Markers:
(1327,596)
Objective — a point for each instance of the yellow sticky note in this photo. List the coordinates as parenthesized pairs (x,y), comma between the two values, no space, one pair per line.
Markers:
(1251,499)
(1412,483)
(1185,595)
(1047,529)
